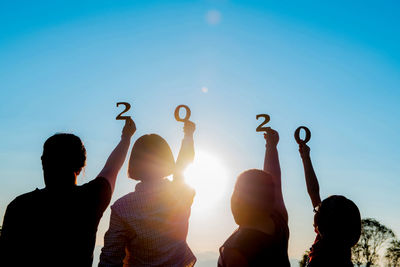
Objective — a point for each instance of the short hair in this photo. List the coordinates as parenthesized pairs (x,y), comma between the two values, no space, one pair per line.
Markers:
(63,153)
(253,196)
(151,157)
(338,219)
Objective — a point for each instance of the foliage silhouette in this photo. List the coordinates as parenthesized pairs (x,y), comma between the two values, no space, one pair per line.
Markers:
(393,254)
(374,236)
(303,262)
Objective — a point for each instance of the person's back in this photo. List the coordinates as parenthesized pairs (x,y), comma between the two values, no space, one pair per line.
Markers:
(154,219)
(337,222)
(258,248)
(57,225)
(53,228)
(258,208)
(149,226)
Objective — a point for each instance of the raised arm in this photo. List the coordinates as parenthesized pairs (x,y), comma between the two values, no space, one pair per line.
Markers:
(186,153)
(272,166)
(311,178)
(117,157)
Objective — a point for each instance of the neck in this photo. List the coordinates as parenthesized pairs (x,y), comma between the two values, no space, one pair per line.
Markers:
(59,181)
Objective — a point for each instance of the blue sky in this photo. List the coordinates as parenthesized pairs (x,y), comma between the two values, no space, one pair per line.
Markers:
(331,66)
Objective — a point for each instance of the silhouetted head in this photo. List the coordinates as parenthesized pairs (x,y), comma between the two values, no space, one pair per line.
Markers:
(253,197)
(151,158)
(338,220)
(64,156)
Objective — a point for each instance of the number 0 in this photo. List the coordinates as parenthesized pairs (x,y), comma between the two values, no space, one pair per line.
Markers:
(187,116)
(306,138)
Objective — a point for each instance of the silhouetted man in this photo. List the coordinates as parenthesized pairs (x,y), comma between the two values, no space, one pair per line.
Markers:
(57,225)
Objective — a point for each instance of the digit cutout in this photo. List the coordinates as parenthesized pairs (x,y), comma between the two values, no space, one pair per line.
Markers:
(297,135)
(260,127)
(187,116)
(127,107)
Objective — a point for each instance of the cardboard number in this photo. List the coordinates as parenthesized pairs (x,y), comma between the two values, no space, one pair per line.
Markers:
(260,127)
(127,107)
(306,138)
(187,116)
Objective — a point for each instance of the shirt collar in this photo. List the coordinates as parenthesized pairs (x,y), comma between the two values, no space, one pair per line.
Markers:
(153,186)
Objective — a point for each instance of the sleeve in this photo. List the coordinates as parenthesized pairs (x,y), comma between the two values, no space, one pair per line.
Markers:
(9,237)
(115,240)
(182,193)
(99,192)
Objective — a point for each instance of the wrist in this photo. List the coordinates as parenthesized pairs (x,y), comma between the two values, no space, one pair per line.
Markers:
(126,138)
(270,146)
(188,136)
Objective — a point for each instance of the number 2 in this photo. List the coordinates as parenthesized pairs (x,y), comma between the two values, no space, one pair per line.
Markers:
(127,107)
(260,127)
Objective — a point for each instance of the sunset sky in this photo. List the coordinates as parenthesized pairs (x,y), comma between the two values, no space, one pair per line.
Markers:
(332,67)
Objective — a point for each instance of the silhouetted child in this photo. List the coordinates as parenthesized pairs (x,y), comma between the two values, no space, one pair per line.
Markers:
(259,210)
(148,227)
(337,222)
(57,225)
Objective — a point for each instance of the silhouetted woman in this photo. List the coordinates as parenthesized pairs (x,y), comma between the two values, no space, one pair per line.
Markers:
(337,222)
(259,210)
(57,225)
(148,227)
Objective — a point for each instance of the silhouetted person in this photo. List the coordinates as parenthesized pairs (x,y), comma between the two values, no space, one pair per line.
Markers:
(148,227)
(337,222)
(57,225)
(259,210)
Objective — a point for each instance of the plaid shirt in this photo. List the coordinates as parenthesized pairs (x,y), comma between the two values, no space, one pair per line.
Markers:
(149,227)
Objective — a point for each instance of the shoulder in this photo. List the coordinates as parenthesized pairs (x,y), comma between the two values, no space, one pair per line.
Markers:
(99,185)
(124,202)
(98,182)
(232,257)
(26,198)
(181,187)
(22,203)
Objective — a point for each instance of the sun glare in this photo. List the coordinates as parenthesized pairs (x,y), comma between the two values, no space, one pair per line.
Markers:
(208,176)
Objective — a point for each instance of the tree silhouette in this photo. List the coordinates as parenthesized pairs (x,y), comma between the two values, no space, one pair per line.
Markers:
(373,238)
(303,261)
(393,254)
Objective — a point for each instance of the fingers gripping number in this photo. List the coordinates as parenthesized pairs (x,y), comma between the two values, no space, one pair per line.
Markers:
(306,138)
(127,107)
(260,127)
(187,116)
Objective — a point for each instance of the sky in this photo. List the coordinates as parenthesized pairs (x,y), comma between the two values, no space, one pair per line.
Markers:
(331,66)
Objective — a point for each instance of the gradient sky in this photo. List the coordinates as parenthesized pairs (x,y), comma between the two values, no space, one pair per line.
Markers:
(334,67)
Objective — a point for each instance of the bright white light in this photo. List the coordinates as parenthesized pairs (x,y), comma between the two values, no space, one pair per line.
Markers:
(213,17)
(208,176)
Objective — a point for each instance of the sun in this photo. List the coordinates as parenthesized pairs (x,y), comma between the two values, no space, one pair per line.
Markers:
(208,176)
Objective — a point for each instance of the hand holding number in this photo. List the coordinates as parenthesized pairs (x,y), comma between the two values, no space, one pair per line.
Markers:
(189,128)
(127,107)
(129,128)
(271,137)
(304,151)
